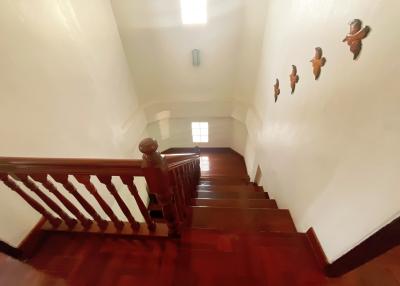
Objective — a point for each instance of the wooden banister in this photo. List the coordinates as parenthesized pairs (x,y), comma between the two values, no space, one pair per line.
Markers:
(171,178)
(156,173)
(15,165)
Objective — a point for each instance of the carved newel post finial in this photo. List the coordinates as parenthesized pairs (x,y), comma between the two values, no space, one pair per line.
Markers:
(148,147)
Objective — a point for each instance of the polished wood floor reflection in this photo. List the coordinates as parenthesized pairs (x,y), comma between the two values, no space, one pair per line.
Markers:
(231,240)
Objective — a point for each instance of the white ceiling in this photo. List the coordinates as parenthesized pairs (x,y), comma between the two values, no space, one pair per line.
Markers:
(158,48)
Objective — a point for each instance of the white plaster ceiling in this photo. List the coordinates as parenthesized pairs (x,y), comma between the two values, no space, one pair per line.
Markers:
(158,48)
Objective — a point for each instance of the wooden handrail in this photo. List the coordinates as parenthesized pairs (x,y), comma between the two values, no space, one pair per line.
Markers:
(20,165)
(171,178)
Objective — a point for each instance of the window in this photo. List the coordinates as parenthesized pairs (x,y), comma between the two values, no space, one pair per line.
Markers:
(200,132)
(194,12)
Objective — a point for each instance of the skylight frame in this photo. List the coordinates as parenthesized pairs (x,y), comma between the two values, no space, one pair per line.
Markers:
(194,12)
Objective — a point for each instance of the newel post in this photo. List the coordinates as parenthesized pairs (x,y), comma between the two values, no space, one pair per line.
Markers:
(156,173)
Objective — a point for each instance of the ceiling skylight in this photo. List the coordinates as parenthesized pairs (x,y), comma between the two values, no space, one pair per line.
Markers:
(194,12)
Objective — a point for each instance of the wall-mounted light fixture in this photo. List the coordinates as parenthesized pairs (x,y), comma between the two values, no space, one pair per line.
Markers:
(196,57)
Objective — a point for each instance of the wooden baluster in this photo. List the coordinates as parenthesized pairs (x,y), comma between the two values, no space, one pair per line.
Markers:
(191,172)
(178,182)
(129,182)
(177,196)
(197,171)
(187,173)
(63,179)
(106,180)
(181,181)
(186,189)
(42,178)
(156,173)
(194,173)
(48,201)
(85,180)
(186,184)
(180,200)
(187,167)
(54,221)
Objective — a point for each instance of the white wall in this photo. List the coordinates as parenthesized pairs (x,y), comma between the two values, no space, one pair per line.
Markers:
(176,132)
(65,91)
(330,152)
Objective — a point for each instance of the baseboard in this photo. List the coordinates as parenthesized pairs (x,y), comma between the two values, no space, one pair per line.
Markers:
(317,250)
(377,244)
(28,246)
(10,250)
(33,240)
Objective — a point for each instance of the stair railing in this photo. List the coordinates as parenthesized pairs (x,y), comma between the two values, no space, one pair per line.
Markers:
(44,182)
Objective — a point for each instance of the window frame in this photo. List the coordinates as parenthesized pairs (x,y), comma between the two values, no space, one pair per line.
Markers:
(200,132)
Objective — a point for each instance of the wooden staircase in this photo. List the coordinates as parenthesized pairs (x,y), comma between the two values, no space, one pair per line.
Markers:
(230,232)
(233,235)
(226,200)
(231,203)
(236,206)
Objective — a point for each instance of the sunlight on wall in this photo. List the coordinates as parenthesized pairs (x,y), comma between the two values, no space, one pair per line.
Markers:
(164,128)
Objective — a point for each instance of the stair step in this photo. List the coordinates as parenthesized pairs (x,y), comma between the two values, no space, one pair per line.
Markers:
(231,195)
(241,219)
(213,183)
(252,203)
(224,180)
(218,188)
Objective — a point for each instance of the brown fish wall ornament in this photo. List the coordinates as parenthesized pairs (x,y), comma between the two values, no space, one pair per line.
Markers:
(294,78)
(355,37)
(317,62)
(277,91)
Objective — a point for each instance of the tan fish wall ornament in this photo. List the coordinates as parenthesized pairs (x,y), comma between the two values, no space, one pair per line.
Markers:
(277,91)
(294,78)
(355,37)
(317,62)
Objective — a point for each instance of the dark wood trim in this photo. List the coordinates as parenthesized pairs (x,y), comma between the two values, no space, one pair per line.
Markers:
(378,243)
(33,240)
(143,232)
(202,149)
(316,248)
(71,166)
(10,250)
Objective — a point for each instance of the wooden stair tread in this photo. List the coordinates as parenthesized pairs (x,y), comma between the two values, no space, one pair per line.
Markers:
(227,180)
(249,203)
(244,219)
(218,188)
(230,195)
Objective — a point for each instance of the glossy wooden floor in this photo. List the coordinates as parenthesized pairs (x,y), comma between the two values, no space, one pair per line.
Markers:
(230,240)
(15,272)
